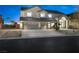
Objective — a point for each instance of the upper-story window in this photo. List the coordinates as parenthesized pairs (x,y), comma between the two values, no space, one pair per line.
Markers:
(29,14)
(50,15)
(42,14)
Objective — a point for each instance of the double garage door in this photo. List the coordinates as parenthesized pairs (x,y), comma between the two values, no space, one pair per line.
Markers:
(38,25)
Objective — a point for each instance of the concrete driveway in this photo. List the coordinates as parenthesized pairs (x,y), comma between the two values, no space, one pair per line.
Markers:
(47,33)
(40,33)
(5,33)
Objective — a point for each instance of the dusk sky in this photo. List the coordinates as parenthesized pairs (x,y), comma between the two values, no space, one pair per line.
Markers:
(13,11)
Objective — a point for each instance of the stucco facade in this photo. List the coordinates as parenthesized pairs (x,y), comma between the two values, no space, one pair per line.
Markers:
(36,18)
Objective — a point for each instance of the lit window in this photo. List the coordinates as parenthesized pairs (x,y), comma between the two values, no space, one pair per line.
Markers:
(50,15)
(42,15)
(29,14)
(21,24)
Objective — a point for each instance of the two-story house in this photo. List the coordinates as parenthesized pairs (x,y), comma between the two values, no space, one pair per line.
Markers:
(38,18)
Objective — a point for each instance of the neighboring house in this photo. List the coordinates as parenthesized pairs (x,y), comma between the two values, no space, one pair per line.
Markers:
(1,22)
(74,20)
(37,18)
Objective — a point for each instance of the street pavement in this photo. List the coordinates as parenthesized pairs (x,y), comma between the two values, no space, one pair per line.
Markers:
(65,44)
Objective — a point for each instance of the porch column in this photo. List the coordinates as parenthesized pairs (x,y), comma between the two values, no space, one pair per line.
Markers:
(66,24)
(21,24)
(39,25)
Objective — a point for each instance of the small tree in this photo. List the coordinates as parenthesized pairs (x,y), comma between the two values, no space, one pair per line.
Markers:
(2,21)
(10,20)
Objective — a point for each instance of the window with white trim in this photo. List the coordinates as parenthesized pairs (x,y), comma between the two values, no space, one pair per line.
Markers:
(42,14)
(50,15)
(29,14)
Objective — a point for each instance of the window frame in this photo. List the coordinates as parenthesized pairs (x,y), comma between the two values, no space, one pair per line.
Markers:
(42,15)
(50,15)
(29,14)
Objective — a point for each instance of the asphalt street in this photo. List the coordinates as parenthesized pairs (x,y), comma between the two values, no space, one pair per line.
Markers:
(64,44)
